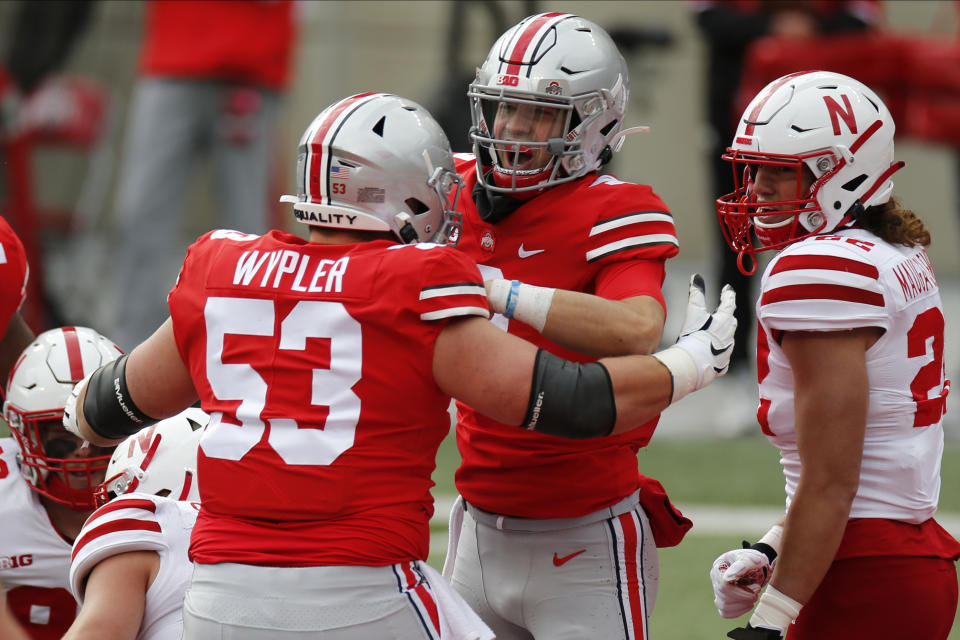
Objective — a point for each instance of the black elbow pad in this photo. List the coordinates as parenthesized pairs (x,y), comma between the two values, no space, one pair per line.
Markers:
(570,400)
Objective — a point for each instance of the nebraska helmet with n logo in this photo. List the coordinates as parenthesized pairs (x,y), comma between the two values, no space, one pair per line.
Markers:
(377,162)
(52,460)
(160,460)
(826,123)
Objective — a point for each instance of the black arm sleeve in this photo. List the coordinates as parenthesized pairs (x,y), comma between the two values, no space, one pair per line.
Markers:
(108,407)
(570,400)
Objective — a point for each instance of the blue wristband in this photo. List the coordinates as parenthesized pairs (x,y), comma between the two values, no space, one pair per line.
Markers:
(513,296)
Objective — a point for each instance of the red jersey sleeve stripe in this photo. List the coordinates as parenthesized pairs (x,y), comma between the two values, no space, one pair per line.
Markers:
(122,524)
(822,292)
(832,263)
(122,503)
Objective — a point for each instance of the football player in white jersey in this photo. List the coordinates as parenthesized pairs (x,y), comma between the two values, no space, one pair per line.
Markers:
(130,568)
(851,374)
(47,477)
(327,367)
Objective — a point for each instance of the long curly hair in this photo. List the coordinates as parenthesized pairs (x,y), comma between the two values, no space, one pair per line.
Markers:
(895,224)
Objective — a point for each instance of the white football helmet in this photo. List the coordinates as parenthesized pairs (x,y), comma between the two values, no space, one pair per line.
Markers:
(824,122)
(549,62)
(52,460)
(160,460)
(378,162)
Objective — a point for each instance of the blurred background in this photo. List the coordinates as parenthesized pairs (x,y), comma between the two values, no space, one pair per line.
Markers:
(106,209)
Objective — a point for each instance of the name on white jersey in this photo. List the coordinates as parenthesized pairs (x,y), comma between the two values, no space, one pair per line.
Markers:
(288,269)
(915,275)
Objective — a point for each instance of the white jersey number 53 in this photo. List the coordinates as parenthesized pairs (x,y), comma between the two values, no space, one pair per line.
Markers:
(236,381)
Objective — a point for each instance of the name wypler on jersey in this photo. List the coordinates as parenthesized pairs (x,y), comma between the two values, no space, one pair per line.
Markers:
(288,269)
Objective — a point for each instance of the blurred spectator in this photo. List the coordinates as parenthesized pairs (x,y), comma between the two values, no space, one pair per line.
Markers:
(42,35)
(450,105)
(212,80)
(730,26)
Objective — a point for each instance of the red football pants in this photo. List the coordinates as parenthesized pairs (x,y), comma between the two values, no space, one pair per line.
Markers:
(881,598)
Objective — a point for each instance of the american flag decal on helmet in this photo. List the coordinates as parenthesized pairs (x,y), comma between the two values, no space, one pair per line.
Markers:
(528,42)
(315,173)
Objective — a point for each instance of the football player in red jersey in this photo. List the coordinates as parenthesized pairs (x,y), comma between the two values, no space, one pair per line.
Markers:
(548,105)
(327,367)
(47,477)
(851,375)
(15,335)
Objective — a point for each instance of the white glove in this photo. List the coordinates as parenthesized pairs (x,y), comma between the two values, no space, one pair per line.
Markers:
(737,577)
(706,341)
(71,410)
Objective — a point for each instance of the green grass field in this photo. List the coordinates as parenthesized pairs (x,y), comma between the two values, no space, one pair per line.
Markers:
(740,471)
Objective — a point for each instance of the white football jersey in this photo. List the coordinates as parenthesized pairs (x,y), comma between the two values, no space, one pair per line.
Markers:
(854,279)
(34,558)
(142,522)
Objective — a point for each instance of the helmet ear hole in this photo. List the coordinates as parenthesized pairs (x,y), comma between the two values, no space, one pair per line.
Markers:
(852,185)
(416,206)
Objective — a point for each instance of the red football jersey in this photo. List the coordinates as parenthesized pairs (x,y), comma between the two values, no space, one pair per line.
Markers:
(315,363)
(13,274)
(569,237)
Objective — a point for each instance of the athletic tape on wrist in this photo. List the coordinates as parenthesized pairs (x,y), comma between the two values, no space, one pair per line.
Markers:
(683,370)
(533,305)
(775,609)
(497,293)
(771,539)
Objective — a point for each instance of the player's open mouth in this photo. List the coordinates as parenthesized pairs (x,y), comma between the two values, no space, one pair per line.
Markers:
(517,158)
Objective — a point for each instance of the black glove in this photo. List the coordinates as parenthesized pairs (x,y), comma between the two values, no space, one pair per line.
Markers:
(755,633)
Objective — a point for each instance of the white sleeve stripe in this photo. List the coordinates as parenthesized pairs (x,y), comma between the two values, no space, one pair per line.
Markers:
(453,290)
(633,218)
(455,311)
(632,243)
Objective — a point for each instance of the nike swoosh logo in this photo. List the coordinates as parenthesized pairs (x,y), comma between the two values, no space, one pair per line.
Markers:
(716,351)
(527,254)
(561,561)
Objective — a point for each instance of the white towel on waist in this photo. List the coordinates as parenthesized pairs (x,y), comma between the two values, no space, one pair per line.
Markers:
(457,620)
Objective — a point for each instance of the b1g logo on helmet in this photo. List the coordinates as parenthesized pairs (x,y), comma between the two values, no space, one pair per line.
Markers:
(509,81)
(554,88)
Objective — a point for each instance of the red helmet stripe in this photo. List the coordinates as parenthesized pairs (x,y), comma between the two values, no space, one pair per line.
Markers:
(537,26)
(319,137)
(865,136)
(763,101)
(74,355)
(187,483)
